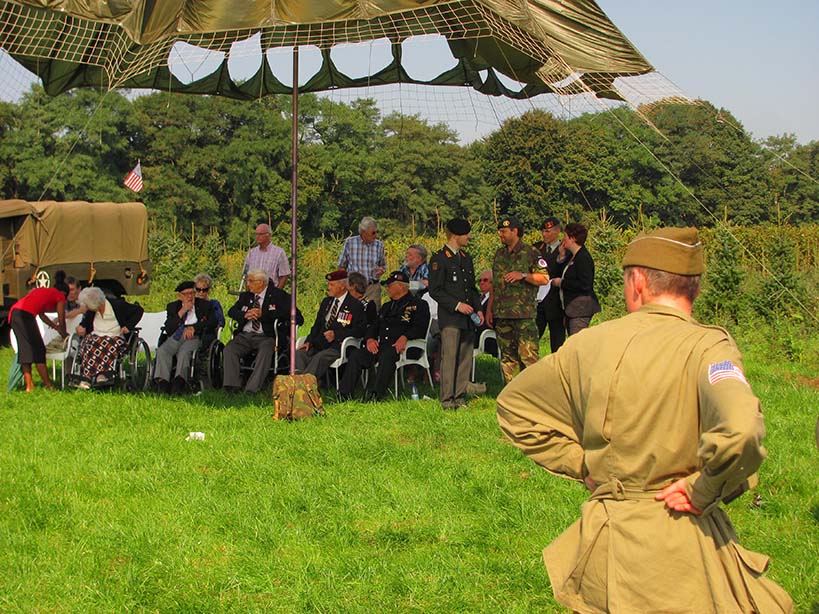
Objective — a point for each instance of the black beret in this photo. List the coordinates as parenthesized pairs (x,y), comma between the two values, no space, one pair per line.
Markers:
(396,276)
(458,226)
(510,221)
(550,222)
(185,285)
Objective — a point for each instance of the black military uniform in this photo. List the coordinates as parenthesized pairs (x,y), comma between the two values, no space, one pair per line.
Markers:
(549,310)
(407,316)
(452,282)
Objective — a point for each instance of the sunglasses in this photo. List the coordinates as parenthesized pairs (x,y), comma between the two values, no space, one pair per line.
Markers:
(205,289)
(484,279)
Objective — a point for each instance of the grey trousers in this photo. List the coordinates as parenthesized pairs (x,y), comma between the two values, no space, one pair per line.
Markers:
(316,363)
(247,343)
(183,349)
(456,362)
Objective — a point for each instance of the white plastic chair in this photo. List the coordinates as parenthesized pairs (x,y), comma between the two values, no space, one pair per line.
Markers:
(349,342)
(486,335)
(422,360)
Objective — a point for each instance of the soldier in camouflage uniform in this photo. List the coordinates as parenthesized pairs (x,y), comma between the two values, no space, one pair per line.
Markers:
(518,270)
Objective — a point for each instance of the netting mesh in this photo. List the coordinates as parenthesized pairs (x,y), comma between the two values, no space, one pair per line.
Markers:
(526,73)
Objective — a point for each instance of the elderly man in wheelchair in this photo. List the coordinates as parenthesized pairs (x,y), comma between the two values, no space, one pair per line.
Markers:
(262,315)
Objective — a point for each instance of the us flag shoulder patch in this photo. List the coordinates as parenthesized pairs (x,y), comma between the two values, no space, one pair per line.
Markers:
(719,371)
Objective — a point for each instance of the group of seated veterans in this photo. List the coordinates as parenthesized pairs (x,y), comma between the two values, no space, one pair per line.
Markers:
(261,334)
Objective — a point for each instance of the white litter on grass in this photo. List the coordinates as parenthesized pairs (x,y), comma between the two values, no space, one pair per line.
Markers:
(195,436)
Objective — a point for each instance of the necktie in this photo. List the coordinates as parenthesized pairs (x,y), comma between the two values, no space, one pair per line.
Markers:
(256,324)
(333,313)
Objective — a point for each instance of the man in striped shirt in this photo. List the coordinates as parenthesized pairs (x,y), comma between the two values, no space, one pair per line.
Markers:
(268,257)
(365,254)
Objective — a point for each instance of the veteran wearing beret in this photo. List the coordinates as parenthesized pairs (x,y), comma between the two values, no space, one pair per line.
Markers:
(452,285)
(340,315)
(517,269)
(653,413)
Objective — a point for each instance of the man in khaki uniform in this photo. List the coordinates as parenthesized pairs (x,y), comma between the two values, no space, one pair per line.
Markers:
(653,413)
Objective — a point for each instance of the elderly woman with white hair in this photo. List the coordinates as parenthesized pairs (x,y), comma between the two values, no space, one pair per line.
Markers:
(103,328)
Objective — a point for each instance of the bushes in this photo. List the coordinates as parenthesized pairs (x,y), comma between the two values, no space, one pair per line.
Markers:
(758,279)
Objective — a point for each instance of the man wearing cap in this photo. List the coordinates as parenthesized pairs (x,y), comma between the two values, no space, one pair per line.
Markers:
(187,320)
(517,270)
(549,309)
(452,285)
(653,413)
(340,315)
(400,319)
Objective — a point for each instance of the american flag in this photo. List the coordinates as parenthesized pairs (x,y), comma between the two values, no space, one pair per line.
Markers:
(134,179)
(719,371)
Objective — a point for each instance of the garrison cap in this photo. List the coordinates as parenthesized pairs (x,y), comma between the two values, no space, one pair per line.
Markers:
(336,275)
(458,226)
(510,221)
(550,222)
(185,285)
(674,250)
(396,276)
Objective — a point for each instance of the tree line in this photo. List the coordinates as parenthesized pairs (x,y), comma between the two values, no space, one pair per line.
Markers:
(212,163)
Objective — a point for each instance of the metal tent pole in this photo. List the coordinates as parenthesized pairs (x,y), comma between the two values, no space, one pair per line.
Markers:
(293,206)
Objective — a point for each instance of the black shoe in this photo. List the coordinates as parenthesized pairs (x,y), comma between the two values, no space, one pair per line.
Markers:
(162,386)
(178,386)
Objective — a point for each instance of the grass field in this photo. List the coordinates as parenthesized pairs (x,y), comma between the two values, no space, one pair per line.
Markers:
(393,507)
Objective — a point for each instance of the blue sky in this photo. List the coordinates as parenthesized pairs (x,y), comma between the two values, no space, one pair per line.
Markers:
(758,59)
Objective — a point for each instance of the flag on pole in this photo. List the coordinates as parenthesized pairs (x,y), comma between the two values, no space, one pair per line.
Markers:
(134,179)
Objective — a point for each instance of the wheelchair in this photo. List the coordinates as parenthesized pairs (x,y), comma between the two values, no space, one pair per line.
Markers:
(212,362)
(132,369)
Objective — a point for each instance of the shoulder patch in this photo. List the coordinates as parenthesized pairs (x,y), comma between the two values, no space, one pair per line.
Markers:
(434,265)
(542,263)
(726,369)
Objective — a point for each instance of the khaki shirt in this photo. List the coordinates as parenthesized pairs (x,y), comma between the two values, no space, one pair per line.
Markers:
(636,404)
(516,300)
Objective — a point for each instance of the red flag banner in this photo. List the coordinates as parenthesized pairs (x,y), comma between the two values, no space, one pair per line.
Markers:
(134,179)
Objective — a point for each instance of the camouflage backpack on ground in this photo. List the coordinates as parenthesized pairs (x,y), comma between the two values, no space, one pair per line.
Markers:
(296,396)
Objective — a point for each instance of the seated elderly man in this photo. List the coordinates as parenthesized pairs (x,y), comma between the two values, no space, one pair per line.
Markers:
(402,318)
(188,320)
(340,315)
(415,267)
(259,311)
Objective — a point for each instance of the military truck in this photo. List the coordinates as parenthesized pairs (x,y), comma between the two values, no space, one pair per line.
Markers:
(101,244)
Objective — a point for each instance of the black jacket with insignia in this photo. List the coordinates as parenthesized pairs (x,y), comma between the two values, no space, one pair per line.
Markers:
(452,281)
(408,316)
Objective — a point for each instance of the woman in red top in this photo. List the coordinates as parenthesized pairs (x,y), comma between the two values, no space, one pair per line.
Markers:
(30,346)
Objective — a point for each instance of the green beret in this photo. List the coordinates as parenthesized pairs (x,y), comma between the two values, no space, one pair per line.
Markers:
(675,250)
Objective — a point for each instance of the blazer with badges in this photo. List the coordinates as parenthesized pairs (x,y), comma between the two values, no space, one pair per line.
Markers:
(551,304)
(275,310)
(452,281)
(408,316)
(351,321)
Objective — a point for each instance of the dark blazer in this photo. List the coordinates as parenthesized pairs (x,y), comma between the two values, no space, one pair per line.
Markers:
(452,281)
(206,322)
(351,321)
(408,316)
(551,306)
(275,310)
(578,281)
(127,314)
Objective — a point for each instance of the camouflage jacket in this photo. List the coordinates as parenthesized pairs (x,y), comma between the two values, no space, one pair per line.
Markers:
(516,300)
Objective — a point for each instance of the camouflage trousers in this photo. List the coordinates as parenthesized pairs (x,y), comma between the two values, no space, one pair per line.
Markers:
(518,344)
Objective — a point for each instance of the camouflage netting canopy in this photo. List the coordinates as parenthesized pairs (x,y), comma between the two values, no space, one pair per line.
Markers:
(548,46)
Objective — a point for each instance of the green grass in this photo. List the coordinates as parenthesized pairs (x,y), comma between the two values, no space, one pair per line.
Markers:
(391,507)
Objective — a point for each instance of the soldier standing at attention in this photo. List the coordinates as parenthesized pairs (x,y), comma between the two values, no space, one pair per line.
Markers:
(517,271)
(653,413)
(452,285)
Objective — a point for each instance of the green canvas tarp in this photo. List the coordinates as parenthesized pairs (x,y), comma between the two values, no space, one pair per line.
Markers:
(79,232)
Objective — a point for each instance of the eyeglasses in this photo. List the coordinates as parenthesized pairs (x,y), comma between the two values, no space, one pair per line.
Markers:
(484,279)
(203,290)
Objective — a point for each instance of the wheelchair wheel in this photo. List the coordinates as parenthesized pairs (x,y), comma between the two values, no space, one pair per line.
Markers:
(214,368)
(137,366)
